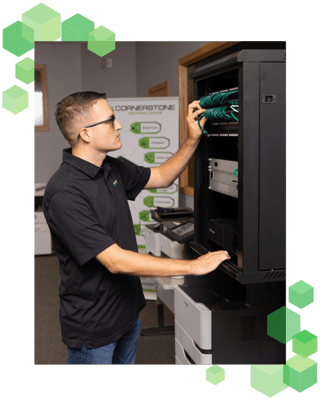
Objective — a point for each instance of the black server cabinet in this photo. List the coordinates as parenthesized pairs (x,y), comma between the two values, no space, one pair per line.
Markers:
(252,224)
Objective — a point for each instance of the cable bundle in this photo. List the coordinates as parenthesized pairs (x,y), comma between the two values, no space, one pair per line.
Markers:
(218,99)
(219,107)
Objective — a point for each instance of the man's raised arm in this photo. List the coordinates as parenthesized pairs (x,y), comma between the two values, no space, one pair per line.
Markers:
(169,171)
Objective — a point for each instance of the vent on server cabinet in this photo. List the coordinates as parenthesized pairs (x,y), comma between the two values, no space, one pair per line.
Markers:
(223,232)
(248,328)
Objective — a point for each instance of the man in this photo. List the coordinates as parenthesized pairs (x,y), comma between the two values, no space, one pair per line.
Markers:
(85,205)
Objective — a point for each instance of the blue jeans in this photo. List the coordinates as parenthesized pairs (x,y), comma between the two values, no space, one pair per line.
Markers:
(123,351)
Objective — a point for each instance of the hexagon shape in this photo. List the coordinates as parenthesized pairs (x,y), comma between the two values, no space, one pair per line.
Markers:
(14,38)
(76,28)
(45,21)
(301,294)
(304,343)
(15,99)
(300,373)
(148,201)
(267,379)
(283,324)
(144,215)
(137,229)
(101,41)
(215,374)
(25,70)
(150,157)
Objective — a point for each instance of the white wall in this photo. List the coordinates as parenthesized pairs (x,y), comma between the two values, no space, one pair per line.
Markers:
(158,62)
(63,61)
(117,81)
(71,68)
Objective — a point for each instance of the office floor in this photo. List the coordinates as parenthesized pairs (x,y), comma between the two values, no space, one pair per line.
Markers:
(49,348)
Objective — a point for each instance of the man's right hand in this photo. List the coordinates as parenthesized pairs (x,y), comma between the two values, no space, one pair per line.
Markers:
(119,261)
(209,262)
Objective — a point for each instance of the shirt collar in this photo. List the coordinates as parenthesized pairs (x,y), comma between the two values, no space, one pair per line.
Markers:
(84,166)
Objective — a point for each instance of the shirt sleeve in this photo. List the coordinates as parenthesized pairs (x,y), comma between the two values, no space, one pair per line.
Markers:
(72,220)
(134,178)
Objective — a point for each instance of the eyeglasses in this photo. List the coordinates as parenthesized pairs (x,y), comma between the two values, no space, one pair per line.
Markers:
(111,119)
(101,122)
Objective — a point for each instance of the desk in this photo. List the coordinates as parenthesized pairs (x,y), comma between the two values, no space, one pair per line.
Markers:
(165,290)
(165,295)
(42,237)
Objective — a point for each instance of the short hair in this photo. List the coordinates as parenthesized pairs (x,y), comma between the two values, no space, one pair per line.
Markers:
(75,106)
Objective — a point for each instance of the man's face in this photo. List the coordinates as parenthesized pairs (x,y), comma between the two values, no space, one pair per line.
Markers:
(105,136)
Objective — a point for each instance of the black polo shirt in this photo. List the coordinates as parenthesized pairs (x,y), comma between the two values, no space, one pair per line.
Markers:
(87,211)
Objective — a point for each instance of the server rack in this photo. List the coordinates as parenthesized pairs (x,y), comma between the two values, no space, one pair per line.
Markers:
(246,218)
(257,143)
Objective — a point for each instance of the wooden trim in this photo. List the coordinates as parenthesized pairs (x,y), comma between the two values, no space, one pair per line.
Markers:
(197,55)
(188,190)
(152,92)
(204,52)
(44,86)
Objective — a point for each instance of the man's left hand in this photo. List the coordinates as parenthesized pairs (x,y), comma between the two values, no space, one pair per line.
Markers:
(194,110)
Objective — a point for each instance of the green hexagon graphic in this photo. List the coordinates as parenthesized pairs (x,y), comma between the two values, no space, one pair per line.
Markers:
(283,324)
(301,294)
(45,21)
(25,70)
(76,28)
(15,99)
(42,23)
(215,374)
(148,201)
(149,157)
(101,41)
(267,379)
(144,142)
(137,229)
(144,215)
(135,127)
(14,38)
(304,343)
(300,373)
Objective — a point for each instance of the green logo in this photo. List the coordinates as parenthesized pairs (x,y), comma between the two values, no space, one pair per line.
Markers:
(115,183)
